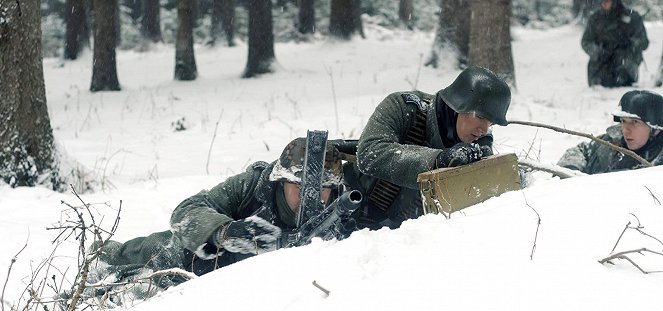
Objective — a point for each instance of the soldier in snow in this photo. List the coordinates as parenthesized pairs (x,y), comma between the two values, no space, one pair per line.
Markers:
(640,114)
(240,217)
(413,132)
(614,40)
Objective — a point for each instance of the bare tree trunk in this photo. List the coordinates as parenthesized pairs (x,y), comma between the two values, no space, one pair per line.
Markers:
(151,21)
(490,38)
(185,60)
(104,71)
(405,12)
(453,32)
(223,19)
(76,35)
(306,23)
(261,39)
(345,19)
(26,138)
(659,73)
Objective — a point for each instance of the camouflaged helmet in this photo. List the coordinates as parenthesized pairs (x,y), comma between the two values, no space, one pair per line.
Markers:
(290,165)
(643,105)
(478,90)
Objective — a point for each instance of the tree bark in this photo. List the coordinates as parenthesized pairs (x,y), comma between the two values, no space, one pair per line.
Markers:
(261,39)
(659,74)
(104,71)
(76,34)
(453,32)
(185,60)
(306,23)
(406,12)
(490,38)
(26,138)
(223,20)
(151,21)
(345,19)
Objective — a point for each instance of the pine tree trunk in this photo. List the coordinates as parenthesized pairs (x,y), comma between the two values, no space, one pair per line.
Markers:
(151,21)
(345,19)
(490,38)
(26,138)
(306,23)
(223,20)
(659,74)
(76,31)
(104,71)
(453,32)
(185,60)
(405,12)
(261,39)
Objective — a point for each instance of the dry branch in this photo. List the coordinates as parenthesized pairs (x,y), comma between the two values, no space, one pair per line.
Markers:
(622,255)
(625,151)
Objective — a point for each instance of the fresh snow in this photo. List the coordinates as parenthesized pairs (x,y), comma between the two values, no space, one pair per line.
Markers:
(481,259)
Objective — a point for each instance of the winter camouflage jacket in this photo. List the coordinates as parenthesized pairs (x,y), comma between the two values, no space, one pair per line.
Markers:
(593,158)
(188,244)
(381,154)
(614,42)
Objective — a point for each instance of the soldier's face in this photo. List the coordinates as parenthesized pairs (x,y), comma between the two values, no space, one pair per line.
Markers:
(636,133)
(292,195)
(606,5)
(471,127)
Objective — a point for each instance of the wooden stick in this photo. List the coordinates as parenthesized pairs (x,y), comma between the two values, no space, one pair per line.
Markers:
(625,151)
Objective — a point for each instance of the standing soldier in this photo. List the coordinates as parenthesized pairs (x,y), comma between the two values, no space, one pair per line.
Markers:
(614,40)
(640,115)
(413,132)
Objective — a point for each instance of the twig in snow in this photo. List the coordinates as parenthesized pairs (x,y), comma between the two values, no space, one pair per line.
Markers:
(622,255)
(9,271)
(538,224)
(209,152)
(324,290)
(656,200)
(331,78)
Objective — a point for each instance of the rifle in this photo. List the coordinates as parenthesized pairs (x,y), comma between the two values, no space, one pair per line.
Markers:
(325,224)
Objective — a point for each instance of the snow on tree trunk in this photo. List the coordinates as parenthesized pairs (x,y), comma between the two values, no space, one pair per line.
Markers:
(306,16)
(223,21)
(345,19)
(453,33)
(490,37)
(26,137)
(104,71)
(185,60)
(76,33)
(151,21)
(261,39)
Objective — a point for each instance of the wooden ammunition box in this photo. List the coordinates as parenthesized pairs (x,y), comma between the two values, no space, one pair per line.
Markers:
(447,190)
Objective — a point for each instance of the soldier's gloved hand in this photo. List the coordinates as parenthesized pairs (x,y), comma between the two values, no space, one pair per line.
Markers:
(486,151)
(251,235)
(459,154)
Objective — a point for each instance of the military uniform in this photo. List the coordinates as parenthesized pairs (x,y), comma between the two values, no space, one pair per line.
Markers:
(594,158)
(382,154)
(188,245)
(614,41)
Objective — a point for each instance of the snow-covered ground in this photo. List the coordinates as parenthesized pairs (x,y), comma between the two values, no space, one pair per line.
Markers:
(477,260)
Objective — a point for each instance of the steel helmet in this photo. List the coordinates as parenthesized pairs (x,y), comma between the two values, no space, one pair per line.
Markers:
(478,90)
(290,165)
(643,105)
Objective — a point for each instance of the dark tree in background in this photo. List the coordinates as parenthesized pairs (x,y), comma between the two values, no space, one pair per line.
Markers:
(490,37)
(306,22)
(405,12)
(453,32)
(26,137)
(659,73)
(185,60)
(223,21)
(261,39)
(77,33)
(150,23)
(135,9)
(345,19)
(104,71)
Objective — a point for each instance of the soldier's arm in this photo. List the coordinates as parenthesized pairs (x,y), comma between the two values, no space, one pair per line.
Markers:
(589,42)
(576,158)
(379,153)
(195,219)
(639,41)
